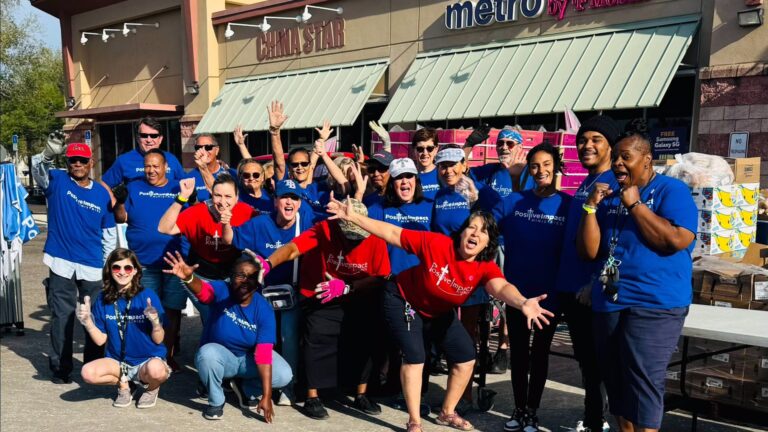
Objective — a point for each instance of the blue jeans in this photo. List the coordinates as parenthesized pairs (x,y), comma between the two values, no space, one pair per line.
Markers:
(215,362)
(168,287)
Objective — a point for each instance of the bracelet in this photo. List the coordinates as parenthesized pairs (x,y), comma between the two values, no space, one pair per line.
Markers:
(269,263)
(181,200)
(637,203)
(589,209)
(189,281)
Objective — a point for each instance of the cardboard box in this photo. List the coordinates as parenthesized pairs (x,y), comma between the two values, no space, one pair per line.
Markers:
(745,170)
(572,180)
(755,395)
(748,193)
(747,215)
(718,220)
(459,136)
(713,243)
(713,198)
(574,167)
(569,153)
(715,385)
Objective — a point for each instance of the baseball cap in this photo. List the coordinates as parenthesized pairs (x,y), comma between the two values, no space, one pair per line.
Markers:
(78,150)
(402,166)
(383,157)
(509,134)
(288,187)
(449,155)
(350,230)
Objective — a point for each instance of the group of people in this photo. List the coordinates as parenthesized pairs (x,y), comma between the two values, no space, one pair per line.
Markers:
(308,283)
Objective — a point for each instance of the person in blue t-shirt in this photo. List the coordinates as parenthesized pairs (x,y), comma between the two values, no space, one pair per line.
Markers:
(263,235)
(424,146)
(207,165)
(510,174)
(594,140)
(129,319)
(142,207)
(378,175)
(250,177)
(130,166)
(81,234)
(643,234)
(532,224)
(238,337)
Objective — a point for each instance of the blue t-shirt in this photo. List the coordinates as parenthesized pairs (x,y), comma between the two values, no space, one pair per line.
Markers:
(262,235)
(76,218)
(533,229)
(498,178)
(451,209)
(263,204)
(574,273)
(372,199)
(648,278)
(130,166)
(146,205)
(139,346)
(202,190)
(429,184)
(412,216)
(238,328)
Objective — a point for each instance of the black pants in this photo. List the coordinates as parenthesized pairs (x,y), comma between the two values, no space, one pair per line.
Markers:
(528,357)
(579,319)
(62,295)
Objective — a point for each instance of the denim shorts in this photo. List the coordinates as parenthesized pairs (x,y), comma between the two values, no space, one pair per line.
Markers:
(132,372)
(168,287)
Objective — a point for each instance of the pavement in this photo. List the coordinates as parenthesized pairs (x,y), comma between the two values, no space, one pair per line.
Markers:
(29,401)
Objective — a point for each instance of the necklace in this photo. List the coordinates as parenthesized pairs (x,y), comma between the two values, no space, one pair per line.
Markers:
(594,180)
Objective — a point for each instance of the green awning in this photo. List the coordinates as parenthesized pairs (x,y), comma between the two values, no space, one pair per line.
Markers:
(309,96)
(625,66)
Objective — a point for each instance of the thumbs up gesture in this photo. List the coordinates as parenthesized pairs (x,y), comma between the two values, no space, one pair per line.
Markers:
(151,313)
(83,311)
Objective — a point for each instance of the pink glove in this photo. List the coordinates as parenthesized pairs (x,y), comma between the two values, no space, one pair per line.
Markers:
(333,288)
(263,263)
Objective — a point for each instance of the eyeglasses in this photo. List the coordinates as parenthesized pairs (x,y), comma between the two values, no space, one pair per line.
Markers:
(296,164)
(78,160)
(207,147)
(241,276)
(247,175)
(149,135)
(508,143)
(428,149)
(405,176)
(128,268)
(377,168)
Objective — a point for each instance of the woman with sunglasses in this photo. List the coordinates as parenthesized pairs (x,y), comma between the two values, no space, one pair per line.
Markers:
(420,305)
(424,145)
(533,227)
(128,319)
(643,234)
(378,176)
(250,175)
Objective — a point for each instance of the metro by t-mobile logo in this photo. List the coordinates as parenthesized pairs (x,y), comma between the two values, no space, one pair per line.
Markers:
(466,14)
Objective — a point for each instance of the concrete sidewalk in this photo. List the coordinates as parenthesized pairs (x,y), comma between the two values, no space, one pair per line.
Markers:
(30,402)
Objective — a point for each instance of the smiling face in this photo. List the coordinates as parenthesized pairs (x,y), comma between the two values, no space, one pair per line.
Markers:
(542,169)
(298,164)
(450,172)
(154,169)
(594,150)
(224,196)
(149,138)
(474,239)
(123,272)
(504,149)
(287,206)
(631,165)
(379,174)
(243,281)
(423,153)
(252,177)
(405,187)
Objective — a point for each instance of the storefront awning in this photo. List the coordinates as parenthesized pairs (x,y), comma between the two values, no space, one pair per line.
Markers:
(624,66)
(309,96)
(123,112)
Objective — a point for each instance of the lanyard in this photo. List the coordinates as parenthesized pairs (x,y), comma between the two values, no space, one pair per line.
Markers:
(619,222)
(122,326)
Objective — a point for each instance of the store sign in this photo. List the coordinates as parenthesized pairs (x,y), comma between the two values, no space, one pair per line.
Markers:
(669,141)
(557,8)
(314,37)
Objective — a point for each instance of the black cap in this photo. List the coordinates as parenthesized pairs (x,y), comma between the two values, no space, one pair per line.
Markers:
(383,157)
(603,124)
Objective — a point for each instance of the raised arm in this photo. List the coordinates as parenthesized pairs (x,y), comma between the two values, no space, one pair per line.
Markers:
(167,223)
(240,141)
(202,166)
(386,231)
(283,254)
(276,120)
(509,294)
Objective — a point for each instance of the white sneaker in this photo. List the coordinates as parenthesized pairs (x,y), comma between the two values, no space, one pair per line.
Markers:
(283,400)
(606,426)
(580,426)
(189,309)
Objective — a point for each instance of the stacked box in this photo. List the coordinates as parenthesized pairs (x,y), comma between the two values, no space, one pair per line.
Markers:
(727,217)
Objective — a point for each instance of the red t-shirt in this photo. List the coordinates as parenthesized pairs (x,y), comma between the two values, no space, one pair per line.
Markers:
(204,234)
(441,281)
(325,249)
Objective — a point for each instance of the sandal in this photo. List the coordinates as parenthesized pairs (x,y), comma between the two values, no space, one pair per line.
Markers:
(413,427)
(454,420)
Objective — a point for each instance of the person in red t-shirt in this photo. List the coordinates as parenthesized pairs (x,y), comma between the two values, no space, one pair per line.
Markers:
(201,225)
(420,306)
(339,258)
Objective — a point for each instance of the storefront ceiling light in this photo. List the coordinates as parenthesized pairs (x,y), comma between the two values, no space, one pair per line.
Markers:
(265,25)
(229,32)
(105,36)
(306,16)
(750,17)
(84,39)
(127,30)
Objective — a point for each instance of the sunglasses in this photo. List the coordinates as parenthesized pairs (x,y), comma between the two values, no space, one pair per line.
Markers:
(296,164)
(405,176)
(508,143)
(78,159)
(128,268)
(428,149)
(247,175)
(149,135)
(377,168)
(207,147)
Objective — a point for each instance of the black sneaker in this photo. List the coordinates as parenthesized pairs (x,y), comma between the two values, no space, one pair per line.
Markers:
(61,378)
(214,412)
(201,390)
(314,408)
(500,362)
(249,402)
(362,403)
(226,386)
(516,421)
(531,422)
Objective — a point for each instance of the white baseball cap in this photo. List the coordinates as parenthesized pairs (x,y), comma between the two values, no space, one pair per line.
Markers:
(402,166)
(450,155)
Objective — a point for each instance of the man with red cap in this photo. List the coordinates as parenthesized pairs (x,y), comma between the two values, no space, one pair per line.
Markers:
(81,233)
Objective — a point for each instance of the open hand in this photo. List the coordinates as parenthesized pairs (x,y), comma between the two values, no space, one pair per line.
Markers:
(534,313)
(333,288)
(326,131)
(239,136)
(516,161)
(276,115)
(261,264)
(338,209)
(179,268)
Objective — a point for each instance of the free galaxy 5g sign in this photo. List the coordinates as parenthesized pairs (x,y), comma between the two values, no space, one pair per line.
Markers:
(468,14)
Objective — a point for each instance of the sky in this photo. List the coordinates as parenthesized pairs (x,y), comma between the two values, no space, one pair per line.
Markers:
(49,32)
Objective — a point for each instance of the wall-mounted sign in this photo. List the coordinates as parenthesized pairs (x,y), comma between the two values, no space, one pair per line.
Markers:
(314,37)
(738,144)
(557,8)
(668,141)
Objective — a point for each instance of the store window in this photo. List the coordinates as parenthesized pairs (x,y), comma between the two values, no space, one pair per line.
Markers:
(119,138)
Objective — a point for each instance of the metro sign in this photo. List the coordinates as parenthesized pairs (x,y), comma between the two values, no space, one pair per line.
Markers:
(485,12)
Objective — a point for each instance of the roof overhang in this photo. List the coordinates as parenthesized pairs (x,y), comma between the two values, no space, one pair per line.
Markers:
(59,8)
(123,112)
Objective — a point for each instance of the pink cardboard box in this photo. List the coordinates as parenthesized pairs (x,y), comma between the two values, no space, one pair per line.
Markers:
(553,138)
(453,136)
(574,167)
(569,152)
(568,139)
(572,180)
(531,138)
(569,190)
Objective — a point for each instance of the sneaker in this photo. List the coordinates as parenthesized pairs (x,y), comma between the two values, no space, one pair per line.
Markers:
(531,422)
(148,399)
(606,426)
(201,390)
(123,399)
(246,402)
(314,408)
(516,421)
(173,364)
(61,378)
(283,399)
(398,403)
(500,362)
(226,386)
(214,412)
(362,403)
(581,428)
